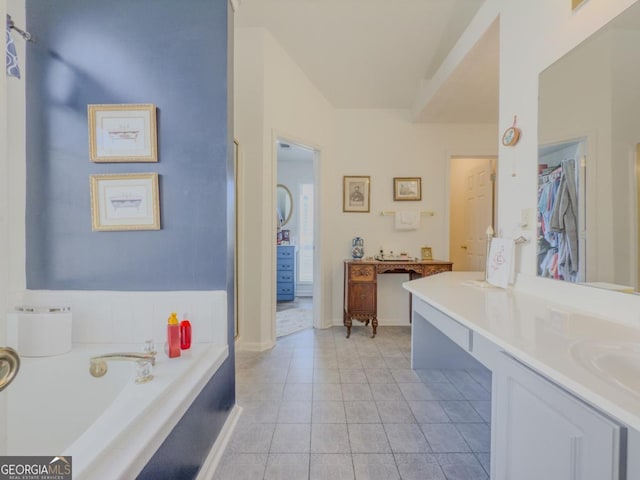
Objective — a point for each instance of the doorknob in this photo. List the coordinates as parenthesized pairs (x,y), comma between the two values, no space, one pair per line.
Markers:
(464,247)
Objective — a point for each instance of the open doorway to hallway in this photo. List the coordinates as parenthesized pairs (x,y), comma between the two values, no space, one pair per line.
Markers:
(471,211)
(295,200)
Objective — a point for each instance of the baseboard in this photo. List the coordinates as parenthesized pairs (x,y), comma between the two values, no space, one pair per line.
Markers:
(253,346)
(214,456)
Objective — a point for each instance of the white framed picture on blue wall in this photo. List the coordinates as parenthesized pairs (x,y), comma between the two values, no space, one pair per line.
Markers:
(123,133)
(128,201)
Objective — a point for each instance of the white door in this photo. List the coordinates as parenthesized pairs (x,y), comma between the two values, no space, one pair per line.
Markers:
(471,212)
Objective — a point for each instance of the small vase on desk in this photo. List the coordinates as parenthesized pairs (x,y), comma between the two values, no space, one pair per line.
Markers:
(357,248)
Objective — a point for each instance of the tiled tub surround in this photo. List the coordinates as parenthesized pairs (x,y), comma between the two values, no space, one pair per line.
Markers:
(133,317)
(320,406)
(117,439)
(554,344)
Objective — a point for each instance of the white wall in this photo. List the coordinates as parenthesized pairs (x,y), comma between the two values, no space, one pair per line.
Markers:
(4,224)
(380,143)
(533,35)
(4,191)
(273,99)
(12,172)
(248,96)
(385,144)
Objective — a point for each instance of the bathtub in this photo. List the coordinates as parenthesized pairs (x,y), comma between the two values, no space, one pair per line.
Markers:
(111,426)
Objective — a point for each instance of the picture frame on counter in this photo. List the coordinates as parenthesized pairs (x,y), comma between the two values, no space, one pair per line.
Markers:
(128,201)
(123,133)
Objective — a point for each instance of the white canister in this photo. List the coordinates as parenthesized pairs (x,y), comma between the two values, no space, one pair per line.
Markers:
(39,331)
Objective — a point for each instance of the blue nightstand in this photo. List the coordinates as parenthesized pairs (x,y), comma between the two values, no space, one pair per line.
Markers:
(286,273)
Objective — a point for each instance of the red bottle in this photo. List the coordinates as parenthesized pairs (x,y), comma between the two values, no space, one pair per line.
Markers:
(185,333)
(172,347)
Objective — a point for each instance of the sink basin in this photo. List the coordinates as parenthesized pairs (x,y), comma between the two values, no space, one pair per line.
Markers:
(617,364)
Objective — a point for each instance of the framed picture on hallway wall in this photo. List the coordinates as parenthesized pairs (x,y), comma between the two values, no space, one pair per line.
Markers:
(355,194)
(122,133)
(407,188)
(125,202)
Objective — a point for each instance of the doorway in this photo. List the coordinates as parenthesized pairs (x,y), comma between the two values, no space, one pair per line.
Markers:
(471,211)
(296,218)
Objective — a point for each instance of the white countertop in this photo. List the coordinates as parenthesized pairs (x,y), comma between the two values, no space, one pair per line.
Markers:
(558,341)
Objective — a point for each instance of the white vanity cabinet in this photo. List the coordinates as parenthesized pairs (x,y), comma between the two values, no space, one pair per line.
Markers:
(540,431)
(555,416)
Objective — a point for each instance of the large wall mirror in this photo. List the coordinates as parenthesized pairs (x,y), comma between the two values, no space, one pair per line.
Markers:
(588,166)
(284,204)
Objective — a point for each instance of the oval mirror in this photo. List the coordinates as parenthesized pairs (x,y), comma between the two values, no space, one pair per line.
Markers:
(284,204)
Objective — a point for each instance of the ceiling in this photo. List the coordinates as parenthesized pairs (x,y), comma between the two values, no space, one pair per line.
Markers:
(378,53)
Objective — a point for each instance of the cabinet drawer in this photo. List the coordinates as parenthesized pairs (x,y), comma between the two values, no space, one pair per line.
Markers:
(457,332)
(286,251)
(285,264)
(285,276)
(362,273)
(285,288)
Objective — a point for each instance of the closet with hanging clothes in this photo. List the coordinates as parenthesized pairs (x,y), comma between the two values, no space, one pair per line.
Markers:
(560,201)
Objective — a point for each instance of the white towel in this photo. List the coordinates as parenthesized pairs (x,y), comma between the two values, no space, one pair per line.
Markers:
(408,220)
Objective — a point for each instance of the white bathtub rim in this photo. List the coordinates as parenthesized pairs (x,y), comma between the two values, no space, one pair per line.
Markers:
(125,452)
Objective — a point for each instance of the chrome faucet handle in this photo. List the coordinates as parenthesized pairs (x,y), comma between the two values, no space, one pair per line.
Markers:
(144,372)
(9,366)
(98,364)
(149,347)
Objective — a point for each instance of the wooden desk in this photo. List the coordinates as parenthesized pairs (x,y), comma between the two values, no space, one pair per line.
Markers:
(361,285)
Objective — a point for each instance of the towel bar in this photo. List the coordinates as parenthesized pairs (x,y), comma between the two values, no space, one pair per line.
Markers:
(424,213)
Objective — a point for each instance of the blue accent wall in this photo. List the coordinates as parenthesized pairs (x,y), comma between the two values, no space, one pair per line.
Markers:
(169,53)
(176,55)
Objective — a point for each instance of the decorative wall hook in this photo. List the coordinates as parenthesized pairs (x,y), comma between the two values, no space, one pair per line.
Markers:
(12,26)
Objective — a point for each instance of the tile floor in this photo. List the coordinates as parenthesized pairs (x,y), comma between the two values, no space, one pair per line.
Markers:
(299,302)
(320,406)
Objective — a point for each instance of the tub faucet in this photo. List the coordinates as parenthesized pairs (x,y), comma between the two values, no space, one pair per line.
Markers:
(9,366)
(144,361)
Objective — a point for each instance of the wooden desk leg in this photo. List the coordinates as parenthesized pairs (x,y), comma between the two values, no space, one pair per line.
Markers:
(347,323)
(374,324)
